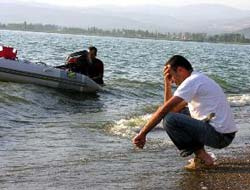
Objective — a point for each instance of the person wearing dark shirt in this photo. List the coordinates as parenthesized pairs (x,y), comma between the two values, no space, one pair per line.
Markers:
(96,68)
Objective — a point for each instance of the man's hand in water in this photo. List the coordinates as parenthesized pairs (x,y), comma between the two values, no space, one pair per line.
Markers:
(139,140)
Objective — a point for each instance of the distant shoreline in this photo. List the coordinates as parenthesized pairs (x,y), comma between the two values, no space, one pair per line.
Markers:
(227,38)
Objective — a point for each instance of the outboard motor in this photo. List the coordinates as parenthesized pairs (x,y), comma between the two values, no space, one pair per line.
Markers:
(78,62)
(8,52)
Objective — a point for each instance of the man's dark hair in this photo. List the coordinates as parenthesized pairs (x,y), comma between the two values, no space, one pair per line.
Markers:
(179,61)
(92,48)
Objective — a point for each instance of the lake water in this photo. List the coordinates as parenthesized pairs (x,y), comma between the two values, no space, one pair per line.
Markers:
(52,139)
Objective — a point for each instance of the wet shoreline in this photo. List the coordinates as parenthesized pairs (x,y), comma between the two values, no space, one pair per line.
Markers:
(232,172)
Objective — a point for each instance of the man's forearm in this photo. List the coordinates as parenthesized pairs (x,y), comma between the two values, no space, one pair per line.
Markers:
(154,120)
(167,91)
(159,114)
(168,94)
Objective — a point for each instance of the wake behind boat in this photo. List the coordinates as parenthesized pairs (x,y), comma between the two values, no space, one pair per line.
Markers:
(21,71)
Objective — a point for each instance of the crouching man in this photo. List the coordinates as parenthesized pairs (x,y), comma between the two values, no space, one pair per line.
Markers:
(209,120)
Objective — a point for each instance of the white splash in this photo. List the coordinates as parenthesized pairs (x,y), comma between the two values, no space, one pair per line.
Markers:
(129,127)
(239,100)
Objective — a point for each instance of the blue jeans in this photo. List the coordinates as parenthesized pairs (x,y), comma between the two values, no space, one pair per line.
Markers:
(190,135)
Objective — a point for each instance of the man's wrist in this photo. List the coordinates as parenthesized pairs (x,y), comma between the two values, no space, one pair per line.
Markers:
(167,80)
(143,133)
(168,83)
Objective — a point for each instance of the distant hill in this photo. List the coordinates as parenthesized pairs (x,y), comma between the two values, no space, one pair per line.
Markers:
(193,18)
(246,32)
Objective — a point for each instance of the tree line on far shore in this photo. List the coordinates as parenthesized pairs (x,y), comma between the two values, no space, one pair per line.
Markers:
(129,33)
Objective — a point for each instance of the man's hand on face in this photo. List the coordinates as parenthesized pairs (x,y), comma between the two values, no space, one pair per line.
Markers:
(166,74)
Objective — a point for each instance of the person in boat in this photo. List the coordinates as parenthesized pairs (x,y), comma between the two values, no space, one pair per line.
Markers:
(77,62)
(191,131)
(96,67)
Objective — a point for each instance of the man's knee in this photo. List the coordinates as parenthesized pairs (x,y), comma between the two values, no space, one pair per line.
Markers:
(169,121)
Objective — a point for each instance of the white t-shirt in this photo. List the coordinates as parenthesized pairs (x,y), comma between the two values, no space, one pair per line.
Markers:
(205,96)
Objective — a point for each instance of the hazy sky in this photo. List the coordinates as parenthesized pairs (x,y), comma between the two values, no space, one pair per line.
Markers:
(243,4)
